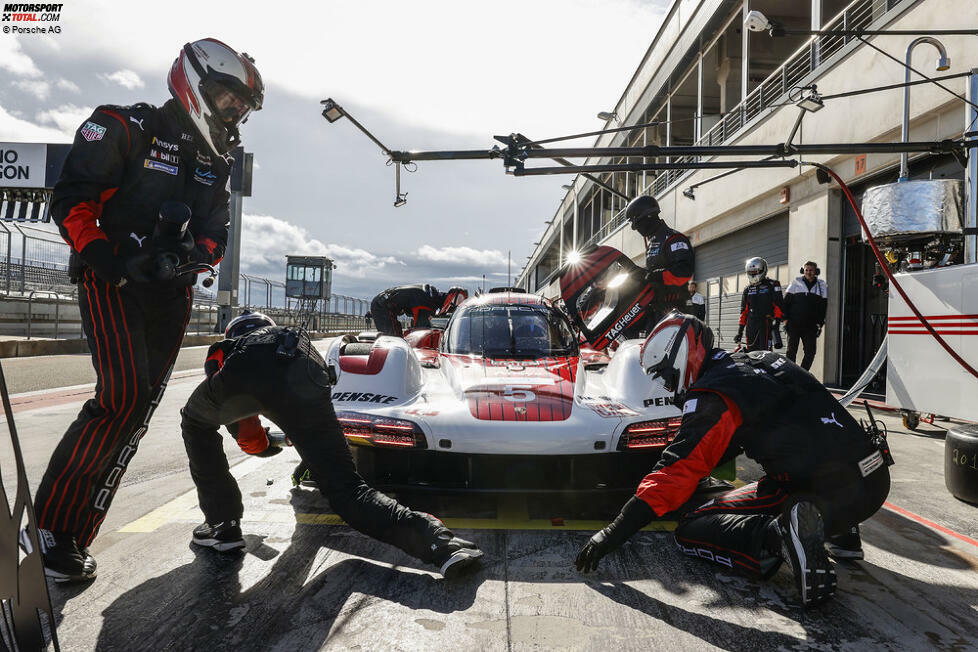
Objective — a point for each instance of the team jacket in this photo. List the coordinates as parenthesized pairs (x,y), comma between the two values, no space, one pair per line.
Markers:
(805,305)
(765,406)
(696,306)
(669,264)
(125,161)
(418,301)
(761,302)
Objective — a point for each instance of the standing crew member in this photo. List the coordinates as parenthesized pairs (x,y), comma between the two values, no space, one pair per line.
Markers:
(823,472)
(418,301)
(761,308)
(265,369)
(125,164)
(696,303)
(668,261)
(804,312)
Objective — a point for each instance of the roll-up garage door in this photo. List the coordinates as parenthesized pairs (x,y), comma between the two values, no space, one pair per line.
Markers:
(720,270)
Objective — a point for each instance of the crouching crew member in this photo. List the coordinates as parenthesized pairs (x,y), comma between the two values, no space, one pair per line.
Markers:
(126,165)
(804,312)
(419,302)
(668,261)
(264,369)
(823,473)
(761,309)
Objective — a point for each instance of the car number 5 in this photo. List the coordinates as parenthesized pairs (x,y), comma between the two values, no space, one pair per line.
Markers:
(518,393)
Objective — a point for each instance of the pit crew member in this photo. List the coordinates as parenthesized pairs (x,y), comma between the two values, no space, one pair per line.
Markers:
(805,302)
(420,302)
(761,309)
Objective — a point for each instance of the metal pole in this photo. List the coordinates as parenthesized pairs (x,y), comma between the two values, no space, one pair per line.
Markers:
(905,128)
(971,174)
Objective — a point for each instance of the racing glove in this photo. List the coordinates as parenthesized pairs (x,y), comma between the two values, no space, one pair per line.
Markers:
(98,255)
(739,336)
(635,515)
(252,437)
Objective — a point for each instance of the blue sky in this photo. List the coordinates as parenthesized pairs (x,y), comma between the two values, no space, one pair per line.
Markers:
(420,75)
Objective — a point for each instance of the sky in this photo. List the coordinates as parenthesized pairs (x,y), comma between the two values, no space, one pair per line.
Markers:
(419,75)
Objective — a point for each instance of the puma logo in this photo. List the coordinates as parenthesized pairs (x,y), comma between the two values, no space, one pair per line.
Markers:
(139,123)
(827,420)
(139,241)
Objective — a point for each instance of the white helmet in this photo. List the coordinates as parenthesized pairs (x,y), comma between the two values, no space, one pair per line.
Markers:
(246,322)
(675,351)
(217,88)
(756,269)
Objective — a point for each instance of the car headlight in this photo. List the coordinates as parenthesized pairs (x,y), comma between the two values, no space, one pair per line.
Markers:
(650,434)
(370,430)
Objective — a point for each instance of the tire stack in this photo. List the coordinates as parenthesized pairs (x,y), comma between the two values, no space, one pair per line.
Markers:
(961,462)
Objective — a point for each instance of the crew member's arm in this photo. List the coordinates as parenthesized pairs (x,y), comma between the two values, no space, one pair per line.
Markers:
(822,301)
(679,266)
(777,311)
(744,311)
(709,423)
(91,175)
(251,436)
(421,316)
(211,230)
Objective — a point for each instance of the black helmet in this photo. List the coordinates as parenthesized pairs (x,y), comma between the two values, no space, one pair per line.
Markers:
(643,214)
(246,322)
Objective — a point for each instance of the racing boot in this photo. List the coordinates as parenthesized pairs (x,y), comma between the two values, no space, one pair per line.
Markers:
(803,548)
(845,546)
(223,536)
(302,477)
(63,560)
(454,556)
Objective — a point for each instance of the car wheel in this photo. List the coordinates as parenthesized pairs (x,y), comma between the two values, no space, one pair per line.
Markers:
(961,462)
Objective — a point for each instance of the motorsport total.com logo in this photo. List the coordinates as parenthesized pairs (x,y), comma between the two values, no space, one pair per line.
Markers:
(27,16)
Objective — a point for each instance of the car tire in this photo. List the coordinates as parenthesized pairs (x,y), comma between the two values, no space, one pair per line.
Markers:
(961,462)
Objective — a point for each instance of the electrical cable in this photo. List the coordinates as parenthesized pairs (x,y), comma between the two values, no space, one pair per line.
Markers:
(886,268)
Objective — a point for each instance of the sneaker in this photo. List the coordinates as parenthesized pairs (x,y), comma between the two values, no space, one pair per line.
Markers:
(302,477)
(63,560)
(845,546)
(222,536)
(802,544)
(454,556)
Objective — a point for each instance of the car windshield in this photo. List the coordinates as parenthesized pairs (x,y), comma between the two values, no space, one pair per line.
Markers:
(510,332)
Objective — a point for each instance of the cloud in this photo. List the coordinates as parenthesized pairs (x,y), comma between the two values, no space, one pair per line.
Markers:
(38,88)
(66,117)
(13,59)
(125,78)
(15,129)
(67,85)
(461,255)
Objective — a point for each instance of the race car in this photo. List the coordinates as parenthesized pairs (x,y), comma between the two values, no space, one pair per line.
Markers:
(501,400)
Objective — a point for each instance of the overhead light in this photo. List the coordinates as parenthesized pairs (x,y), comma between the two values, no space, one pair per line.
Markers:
(609,115)
(689,193)
(331,110)
(757,22)
(400,200)
(567,186)
(812,102)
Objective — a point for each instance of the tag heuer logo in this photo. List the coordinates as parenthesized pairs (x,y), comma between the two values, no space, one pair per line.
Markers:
(91,131)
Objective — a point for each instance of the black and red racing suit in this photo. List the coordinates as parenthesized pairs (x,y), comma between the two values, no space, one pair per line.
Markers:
(278,373)
(669,265)
(768,408)
(418,301)
(124,163)
(761,310)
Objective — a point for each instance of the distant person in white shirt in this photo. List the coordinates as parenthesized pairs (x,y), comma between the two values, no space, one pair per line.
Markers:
(804,310)
(696,303)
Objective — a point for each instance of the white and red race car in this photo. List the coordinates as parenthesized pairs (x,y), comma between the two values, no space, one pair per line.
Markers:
(502,399)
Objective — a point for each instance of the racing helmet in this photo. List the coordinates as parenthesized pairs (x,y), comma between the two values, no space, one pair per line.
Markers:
(642,214)
(217,88)
(675,351)
(756,269)
(247,322)
(453,299)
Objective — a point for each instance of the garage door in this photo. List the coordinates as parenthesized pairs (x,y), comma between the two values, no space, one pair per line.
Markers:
(720,270)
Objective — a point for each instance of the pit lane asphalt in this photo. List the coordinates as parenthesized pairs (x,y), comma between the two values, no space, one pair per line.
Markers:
(306,583)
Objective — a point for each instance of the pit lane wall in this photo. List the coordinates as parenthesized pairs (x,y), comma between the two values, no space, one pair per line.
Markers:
(920,374)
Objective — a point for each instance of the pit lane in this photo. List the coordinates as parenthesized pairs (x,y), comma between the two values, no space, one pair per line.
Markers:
(307,582)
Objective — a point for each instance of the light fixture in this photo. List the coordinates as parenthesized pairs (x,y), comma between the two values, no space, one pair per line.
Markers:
(811,102)
(400,200)
(689,193)
(609,115)
(757,22)
(567,186)
(331,110)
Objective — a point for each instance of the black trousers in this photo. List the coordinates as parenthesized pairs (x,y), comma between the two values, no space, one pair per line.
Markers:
(134,334)
(757,334)
(807,336)
(295,395)
(731,530)
(384,320)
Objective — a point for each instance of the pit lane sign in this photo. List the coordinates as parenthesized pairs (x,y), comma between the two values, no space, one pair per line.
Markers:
(23,165)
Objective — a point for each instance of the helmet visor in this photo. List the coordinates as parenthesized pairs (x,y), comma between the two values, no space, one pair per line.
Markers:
(228,107)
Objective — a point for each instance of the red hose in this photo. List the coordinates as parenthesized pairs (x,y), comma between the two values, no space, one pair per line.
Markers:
(889,274)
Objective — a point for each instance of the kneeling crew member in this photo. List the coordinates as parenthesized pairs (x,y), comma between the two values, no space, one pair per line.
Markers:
(668,260)
(247,373)
(418,301)
(761,309)
(823,473)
